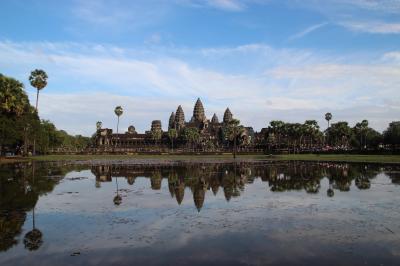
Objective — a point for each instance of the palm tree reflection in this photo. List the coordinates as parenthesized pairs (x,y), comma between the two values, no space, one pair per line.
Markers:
(33,239)
(117,199)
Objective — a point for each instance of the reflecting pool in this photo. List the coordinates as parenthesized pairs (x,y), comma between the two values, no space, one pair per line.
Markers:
(264,213)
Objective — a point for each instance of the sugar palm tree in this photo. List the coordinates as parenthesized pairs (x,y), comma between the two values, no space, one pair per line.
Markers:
(33,239)
(38,79)
(117,199)
(328,117)
(118,111)
(364,129)
(172,134)
(234,130)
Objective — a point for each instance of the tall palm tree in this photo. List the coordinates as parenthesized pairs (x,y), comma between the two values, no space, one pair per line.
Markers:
(234,130)
(172,134)
(118,111)
(34,238)
(364,129)
(117,199)
(328,117)
(38,79)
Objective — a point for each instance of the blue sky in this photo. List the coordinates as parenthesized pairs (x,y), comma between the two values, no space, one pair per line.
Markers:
(290,60)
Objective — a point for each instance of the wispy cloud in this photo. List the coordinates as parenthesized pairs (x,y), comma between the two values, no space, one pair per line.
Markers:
(224,5)
(372,27)
(87,81)
(230,5)
(385,6)
(306,31)
(103,15)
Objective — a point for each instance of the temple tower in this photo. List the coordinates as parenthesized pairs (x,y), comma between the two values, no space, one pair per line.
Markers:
(227,116)
(156,126)
(214,119)
(131,130)
(198,112)
(171,122)
(179,118)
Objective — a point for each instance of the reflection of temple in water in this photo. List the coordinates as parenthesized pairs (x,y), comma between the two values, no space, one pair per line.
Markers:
(231,179)
(20,191)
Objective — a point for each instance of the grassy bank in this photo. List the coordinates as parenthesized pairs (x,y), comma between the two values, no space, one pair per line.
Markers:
(290,157)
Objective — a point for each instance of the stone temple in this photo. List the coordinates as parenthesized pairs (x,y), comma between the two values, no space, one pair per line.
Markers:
(199,133)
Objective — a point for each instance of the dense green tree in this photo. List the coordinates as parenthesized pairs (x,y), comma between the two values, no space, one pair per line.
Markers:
(20,124)
(156,135)
(233,130)
(392,134)
(190,135)
(172,135)
(13,99)
(339,134)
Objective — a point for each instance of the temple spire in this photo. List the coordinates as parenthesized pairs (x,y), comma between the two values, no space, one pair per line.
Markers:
(179,118)
(227,116)
(214,119)
(171,122)
(198,111)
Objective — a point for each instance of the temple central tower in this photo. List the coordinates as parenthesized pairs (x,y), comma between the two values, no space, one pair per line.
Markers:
(198,112)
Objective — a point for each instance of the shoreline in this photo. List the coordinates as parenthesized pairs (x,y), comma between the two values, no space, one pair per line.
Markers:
(226,158)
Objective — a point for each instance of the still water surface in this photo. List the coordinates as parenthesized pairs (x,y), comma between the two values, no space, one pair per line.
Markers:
(286,213)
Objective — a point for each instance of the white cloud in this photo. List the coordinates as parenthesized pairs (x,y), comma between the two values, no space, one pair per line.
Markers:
(393,56)
(231,5)
(87,81)
(225,5)
(372,26)
(385,6)
(308,30)
(116,16)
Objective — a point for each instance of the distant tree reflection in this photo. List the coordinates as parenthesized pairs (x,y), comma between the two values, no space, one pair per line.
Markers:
(233,178)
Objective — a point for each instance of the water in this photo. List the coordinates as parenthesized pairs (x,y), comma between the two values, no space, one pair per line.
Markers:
(270,213)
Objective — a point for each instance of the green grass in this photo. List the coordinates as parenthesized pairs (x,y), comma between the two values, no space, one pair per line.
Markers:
(290,157)
(341,158)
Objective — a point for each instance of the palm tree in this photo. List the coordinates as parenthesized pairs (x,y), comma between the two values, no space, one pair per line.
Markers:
(98,125)
(156,135)
(328,117)
(278,127)
(33,239)
(117,199)
(234,130)
(172,134)
(38,79)
(118,111)
(364,129)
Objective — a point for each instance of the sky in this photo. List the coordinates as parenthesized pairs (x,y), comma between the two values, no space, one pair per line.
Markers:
(289,60)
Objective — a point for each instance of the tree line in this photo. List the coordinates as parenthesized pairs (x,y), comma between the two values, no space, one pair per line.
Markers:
(340,135)
(21,129)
